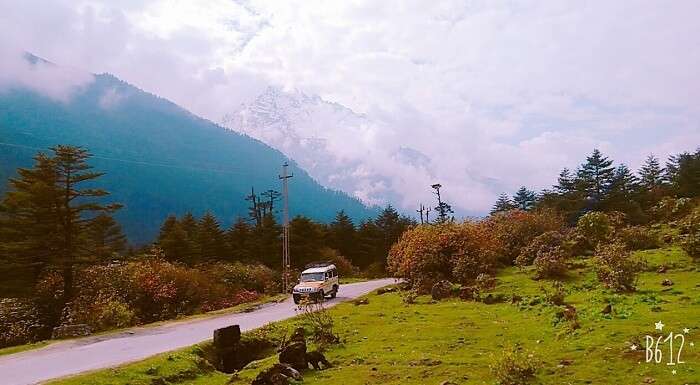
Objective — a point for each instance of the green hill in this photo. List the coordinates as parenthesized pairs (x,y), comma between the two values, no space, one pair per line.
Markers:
(158,158)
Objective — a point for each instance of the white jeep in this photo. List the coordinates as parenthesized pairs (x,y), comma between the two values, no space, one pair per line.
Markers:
(317,282)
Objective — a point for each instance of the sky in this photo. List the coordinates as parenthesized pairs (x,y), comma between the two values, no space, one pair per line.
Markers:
(480,96)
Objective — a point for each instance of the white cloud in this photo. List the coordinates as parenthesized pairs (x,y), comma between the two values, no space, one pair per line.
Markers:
(493,94)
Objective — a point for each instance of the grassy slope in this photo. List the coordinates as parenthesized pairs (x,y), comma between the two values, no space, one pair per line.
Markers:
(427,343)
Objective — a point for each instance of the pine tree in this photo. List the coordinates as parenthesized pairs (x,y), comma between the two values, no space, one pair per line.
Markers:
(683,174)
(174,241)
(239,238)
(370,241)
(210,238)
(524,199)
(503,203)
(306,241)
(622,194)
(267,244)
(651,176)
(391,225)
(105,239)
(342,236)
(595,177)
(51,193)
(565,183)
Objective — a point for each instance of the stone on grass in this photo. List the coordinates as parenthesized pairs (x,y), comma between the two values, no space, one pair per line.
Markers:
(70,331)
(441,290)
(226,348)
(666,282)
(293,353)
(607,309)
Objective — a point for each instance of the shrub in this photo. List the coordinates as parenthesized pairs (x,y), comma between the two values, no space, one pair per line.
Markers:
(514,367)
(690,234)
(103,313)
(344,266)
(543,243)
(616,268)
(638,238)
(595,227)
(550,263)
(671,208)
(554,294)
(375,270)
(20,322)
(515,229)
(453,251)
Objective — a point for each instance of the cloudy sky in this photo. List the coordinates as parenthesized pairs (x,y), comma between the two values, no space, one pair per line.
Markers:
(482,96)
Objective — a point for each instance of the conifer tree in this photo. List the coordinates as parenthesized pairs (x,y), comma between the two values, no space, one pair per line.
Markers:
(524,199)
(105,239)
(503,203)
(239,238)
(306,242)
(342,236)
(50,196)
(210,238)
(370,240)
(174,241)
(595,177)
(651,175)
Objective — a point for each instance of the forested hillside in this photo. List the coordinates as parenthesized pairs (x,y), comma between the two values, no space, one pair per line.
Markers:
(158,159)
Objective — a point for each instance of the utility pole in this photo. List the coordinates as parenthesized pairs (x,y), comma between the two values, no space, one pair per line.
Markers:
(285,229)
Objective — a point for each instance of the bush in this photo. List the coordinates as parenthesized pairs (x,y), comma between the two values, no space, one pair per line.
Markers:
(375,270)
(638,238)
(550,263)
(616,268)
(595,227)
(690,234)
(20,322)
(543,243)
(453,251)
(671,208)
(514,367)
(515,229)
(344,266)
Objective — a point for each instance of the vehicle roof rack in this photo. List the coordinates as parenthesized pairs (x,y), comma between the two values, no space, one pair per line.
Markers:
(317,264)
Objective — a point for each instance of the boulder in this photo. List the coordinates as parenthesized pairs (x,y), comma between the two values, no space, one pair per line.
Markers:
(226,349)
(666,282)
(441,290)
(607,309)
(70,331)
(467,293)
(293,353)
(278,374)
(384,290)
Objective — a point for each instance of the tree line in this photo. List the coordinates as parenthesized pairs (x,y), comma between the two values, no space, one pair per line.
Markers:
(192,240)
(598,185)
(54,218)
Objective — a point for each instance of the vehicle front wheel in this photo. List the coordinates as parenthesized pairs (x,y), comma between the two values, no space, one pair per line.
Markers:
(297,299)
(320,296)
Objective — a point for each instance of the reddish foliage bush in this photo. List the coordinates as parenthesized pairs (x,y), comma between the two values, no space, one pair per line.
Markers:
(550,263)
(454,251)
(616,268)
(638,238)
(515,229)
(344,266)
(20,322)
(542,243)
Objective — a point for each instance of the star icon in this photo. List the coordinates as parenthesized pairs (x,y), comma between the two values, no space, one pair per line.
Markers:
(673,372)
(692,344)
(686,331)
(633,347)
(659,326)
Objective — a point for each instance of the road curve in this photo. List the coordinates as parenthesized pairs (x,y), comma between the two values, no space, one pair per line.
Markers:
(75,356)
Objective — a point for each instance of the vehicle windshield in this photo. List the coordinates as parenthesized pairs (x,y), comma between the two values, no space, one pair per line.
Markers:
(310,277)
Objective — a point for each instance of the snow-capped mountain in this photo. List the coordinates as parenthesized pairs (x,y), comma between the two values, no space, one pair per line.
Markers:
(302,126)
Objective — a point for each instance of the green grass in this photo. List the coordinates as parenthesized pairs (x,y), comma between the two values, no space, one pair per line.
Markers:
(22,348)
(389,342)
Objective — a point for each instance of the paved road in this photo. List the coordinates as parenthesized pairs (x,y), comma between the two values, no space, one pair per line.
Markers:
(76,356)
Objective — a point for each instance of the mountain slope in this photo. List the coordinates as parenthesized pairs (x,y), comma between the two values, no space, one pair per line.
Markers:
(158,158)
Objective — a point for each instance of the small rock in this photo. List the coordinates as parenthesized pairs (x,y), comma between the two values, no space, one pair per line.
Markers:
(441,290)
(361,301)
(662,269)
(649,380)
(607,309)
(666,282)
(447,383)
